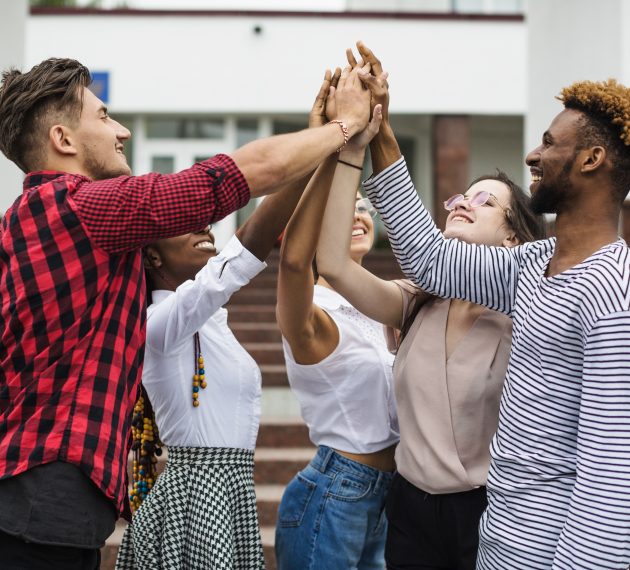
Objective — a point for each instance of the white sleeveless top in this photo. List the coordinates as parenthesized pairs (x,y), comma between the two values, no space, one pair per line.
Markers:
(347,399)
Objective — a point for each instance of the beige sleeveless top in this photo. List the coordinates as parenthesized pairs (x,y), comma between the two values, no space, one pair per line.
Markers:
(448,410)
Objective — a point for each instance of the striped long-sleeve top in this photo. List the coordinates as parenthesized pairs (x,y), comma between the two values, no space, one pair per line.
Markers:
(559,481)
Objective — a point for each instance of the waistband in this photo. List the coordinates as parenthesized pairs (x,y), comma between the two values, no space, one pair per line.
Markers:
(210,456)
(468,492)
(328,460)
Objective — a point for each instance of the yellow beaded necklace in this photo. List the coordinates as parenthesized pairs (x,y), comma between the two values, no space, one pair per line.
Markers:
(199,377)
(146,445)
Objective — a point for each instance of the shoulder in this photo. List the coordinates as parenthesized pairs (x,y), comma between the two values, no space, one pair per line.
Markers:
(608,277)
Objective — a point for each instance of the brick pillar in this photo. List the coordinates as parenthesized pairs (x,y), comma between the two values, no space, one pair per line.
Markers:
(451,160)
(625,221)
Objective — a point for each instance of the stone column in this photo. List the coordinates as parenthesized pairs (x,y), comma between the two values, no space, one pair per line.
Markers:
(451,160)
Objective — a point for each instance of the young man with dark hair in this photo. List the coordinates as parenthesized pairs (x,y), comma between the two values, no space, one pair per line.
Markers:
(559,481)
(72,296)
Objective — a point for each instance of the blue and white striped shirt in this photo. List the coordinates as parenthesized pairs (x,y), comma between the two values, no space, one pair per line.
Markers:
(559,481)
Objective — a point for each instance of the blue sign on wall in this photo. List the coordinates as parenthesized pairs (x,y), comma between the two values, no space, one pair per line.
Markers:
(100,85)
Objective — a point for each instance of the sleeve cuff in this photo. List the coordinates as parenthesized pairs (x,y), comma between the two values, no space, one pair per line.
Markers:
(241,259)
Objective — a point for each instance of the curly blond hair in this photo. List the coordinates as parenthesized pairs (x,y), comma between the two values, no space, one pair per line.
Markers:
(606,109)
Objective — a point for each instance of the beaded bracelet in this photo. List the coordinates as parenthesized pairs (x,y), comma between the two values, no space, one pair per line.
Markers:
(344,132)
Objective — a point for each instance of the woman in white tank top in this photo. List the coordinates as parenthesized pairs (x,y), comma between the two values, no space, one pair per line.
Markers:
(331,515)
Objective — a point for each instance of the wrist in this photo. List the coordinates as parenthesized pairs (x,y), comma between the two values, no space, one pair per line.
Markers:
(355,126)
(353,154)
(342,128)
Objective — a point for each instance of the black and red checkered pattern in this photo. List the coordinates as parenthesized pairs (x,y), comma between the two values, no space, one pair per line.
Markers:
(72,308)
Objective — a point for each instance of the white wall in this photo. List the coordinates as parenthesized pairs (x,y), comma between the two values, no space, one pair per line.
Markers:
(568,42)
(218,64)
(13,15)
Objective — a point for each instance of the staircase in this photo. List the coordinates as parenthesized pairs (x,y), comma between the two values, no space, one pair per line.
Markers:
(283,447)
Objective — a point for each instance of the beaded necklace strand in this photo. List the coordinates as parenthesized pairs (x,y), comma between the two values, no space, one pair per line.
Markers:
(146,445)
(199,377)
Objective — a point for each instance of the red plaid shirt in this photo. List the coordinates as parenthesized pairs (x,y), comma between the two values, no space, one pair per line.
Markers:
(72,309)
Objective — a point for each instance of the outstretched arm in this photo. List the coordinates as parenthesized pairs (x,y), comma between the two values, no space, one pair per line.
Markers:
(447,268)
(260,232)
(286,158)
(377,298)
(311,334)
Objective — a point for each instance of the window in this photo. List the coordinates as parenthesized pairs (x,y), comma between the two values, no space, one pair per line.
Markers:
(163,164)
(246,131)
(184,128)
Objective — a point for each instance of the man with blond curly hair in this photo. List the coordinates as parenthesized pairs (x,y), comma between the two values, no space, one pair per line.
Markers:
(559,481)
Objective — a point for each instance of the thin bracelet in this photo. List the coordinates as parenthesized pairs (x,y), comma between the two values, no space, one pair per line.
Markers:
(350,164)
(344,131)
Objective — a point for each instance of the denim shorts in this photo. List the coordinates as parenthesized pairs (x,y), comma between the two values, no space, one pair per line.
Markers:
(332,516)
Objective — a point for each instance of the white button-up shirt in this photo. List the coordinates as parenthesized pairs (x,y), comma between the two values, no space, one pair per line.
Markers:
(228,414)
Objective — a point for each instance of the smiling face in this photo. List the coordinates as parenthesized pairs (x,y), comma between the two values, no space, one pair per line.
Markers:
(180,258)
(552,163)
(485,224)
(99,141)
(362,234)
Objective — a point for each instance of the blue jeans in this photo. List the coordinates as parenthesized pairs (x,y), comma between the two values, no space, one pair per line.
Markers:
(332,516)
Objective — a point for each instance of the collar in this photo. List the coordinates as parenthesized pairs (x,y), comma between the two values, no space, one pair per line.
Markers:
(40,177)
(328,299)
(158,295)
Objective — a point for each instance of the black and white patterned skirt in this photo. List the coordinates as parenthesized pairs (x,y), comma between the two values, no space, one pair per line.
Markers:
(200,514)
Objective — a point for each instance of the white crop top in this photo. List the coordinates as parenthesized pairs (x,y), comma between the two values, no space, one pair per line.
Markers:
(347,399)
(228,414)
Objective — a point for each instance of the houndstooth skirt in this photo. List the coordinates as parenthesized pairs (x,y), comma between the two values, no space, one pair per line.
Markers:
(200,515)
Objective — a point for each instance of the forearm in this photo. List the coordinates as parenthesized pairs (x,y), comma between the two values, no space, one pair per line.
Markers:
(283,159)
(261,231)
(333,248)
(302,233)
(384,148)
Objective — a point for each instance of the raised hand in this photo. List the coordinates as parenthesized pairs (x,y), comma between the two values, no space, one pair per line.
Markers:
(352,99)
(359,141)
(318,115)
(377,81)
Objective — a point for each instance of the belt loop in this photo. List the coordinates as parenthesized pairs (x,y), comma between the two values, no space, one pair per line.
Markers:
(324,455)
(381,481)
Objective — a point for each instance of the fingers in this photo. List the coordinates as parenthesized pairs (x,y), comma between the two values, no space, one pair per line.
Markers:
(368,56)
(320,99)
(351,59)
(377,117)
(335,77)
(343,78)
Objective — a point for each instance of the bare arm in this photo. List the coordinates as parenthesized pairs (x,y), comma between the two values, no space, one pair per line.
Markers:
(261,230)
(283,159)
(377,298)
(309,331)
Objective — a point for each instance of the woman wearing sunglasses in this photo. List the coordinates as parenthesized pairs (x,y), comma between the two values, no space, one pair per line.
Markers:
(332,512)
(448,373)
